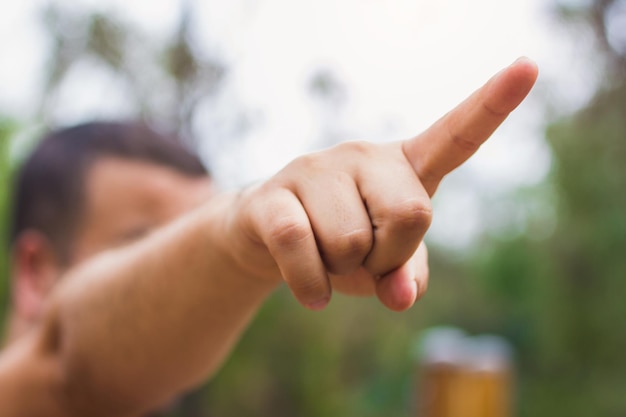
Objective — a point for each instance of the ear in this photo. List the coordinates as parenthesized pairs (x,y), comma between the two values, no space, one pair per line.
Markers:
(35,271)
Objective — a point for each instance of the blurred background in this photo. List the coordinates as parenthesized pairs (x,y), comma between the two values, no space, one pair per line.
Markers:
(529,237)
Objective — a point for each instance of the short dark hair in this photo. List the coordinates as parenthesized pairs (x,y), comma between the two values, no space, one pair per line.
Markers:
(49,191)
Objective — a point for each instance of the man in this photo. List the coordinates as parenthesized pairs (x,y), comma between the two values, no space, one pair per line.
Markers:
(139,293)
(89,188)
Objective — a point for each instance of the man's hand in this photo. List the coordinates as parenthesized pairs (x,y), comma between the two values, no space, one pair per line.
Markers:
(353,217)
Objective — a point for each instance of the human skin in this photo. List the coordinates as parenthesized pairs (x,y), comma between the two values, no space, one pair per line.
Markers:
(131,328)
(115,212)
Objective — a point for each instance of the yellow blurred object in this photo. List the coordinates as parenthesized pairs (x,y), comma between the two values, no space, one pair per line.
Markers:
(464,377)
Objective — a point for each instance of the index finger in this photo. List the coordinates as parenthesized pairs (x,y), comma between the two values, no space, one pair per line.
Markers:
(458,135)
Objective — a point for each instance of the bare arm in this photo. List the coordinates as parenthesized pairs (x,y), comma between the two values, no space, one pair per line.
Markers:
(136,326)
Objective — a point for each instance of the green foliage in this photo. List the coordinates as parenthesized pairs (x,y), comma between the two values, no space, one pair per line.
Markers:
(6,129)
(565,295)
(354,358)
(294,362)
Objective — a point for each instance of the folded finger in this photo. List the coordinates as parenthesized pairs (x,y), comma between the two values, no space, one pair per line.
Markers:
(284,227)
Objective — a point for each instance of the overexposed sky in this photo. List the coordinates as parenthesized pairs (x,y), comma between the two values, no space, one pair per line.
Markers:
(403,64)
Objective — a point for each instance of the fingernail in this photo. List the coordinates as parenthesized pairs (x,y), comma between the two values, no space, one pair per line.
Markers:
(318,305)
(418,295)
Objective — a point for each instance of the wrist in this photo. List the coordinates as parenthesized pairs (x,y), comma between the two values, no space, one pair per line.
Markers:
(247,259)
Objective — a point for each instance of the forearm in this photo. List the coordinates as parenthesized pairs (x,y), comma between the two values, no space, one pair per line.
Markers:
(138,325)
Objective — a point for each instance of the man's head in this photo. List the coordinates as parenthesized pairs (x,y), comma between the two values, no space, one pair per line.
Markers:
(90,188)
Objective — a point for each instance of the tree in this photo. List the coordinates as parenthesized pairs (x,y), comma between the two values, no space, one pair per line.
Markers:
(562,298)
(186,77)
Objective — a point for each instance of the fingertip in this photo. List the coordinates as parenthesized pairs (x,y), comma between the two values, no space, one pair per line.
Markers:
(422,286)
(314,293)
(511,86)
(524,60)
(422,272)
(397,290)
(525,69)
(318,305)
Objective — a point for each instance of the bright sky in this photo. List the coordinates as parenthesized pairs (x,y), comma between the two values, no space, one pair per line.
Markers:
(404,63)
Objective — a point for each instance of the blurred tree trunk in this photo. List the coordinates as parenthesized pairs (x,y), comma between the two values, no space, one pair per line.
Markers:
(607,20)
(166,83)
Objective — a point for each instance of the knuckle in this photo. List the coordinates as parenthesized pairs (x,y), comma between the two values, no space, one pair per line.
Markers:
(308,288)
(354,244)
(343,179)
(350,246)
(489,109)
(462,141)
(413,214)
(307,162)
(288,232)
(465,143)
(359,147)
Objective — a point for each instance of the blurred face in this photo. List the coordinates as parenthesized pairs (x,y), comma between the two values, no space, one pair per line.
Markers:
(126,200)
